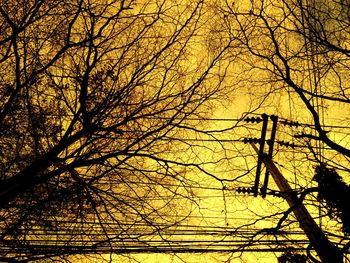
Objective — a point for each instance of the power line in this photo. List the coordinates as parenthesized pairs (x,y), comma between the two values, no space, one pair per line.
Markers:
(283,121)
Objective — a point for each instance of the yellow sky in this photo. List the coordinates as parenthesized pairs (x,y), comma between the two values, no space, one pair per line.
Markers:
(215,203)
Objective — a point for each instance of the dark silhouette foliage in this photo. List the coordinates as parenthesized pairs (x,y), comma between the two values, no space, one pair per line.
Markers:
(289,257)
(335,193)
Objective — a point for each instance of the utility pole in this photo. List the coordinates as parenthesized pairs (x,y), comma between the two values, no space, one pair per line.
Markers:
(327,252)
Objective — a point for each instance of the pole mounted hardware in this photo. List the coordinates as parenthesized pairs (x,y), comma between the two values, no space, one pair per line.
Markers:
(245,190)
(261,154)
(253,119)
(270,152)
(326,250)
(250,140)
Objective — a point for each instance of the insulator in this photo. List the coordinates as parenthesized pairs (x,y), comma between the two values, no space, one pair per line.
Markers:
(248,190)
(286,144)
(258,119)
(244,190)
(250,140)
(284,122)
(290,123)
(253,119)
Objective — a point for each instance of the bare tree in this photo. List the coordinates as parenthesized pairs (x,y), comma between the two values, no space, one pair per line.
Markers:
(295,63)
(94,98)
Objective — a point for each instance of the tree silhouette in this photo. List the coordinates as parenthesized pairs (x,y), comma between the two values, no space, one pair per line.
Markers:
(92,94)
(335,193)
(295,63)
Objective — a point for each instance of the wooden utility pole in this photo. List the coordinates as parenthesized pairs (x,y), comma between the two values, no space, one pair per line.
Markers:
(327,252)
